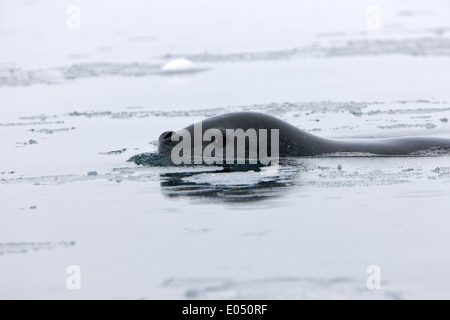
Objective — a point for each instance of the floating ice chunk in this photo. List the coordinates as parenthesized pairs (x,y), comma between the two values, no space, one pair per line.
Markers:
(178,65)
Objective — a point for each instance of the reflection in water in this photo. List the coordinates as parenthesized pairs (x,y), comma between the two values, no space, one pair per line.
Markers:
(231,184)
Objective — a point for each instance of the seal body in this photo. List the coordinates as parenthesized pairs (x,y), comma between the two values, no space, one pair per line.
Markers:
(294,142)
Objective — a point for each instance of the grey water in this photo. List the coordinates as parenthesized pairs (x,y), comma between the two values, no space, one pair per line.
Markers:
(79,98)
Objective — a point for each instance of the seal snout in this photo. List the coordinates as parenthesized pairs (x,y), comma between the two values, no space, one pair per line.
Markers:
(165,142)
(166,135)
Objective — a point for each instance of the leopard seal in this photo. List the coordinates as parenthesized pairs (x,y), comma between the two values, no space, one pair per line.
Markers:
(295,142)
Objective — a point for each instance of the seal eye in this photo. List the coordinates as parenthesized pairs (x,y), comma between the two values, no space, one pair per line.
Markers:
(220,141)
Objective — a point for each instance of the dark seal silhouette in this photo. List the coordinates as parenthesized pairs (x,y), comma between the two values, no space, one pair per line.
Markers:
(294,142)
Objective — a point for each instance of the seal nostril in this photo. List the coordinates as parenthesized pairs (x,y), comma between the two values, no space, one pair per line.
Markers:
(168,135)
